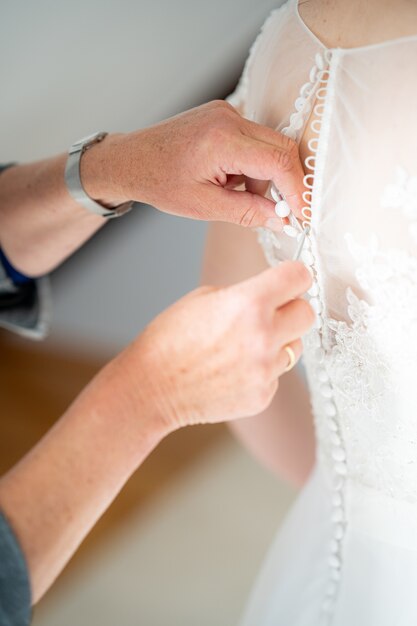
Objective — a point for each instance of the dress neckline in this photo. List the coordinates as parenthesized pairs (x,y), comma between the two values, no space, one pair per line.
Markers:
(372,46)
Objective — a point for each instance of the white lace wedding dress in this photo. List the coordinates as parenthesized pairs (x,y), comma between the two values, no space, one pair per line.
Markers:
(347,554)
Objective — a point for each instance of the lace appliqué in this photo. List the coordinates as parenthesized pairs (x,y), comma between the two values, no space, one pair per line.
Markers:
(373,359)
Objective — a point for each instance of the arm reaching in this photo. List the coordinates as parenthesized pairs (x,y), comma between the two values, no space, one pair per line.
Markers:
(188,165)
(282,436)
(183,369)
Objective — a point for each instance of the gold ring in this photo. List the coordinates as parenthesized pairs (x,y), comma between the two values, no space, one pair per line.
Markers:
(292,358)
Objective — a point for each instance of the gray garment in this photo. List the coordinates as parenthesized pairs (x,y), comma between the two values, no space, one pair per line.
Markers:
(15,594)
(24,309)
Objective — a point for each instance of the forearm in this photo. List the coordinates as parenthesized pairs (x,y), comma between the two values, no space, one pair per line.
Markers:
(282,437)
(55,495)
(187,165)
(183,369)
(40,223)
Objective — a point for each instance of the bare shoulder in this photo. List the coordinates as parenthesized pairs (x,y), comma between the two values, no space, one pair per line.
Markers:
(338,23)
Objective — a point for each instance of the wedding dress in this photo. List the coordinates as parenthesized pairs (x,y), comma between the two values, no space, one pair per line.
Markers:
(347,553)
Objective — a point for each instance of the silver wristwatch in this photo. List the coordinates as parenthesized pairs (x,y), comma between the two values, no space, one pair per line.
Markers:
(74,184)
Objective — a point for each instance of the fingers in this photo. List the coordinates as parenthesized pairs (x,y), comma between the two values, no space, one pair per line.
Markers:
(283,358)
(277,286)
(245,150)
(268,155)
(240,207)
(293,320)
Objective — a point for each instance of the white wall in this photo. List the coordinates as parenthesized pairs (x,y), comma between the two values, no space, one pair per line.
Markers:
(68,68)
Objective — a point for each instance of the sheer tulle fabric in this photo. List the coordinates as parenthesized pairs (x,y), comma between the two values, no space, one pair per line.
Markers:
(348,551)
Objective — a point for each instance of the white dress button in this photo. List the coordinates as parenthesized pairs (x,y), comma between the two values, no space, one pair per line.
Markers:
(296,121)
(322,375)
(338,454)
(338,483)
(335,574)
(291,133)
(338,532)
(335,439)
(334,546)
(326,391)
(307,257)
(305,90)
(327,605)
(337,515)
(340,468)
(330,409)
(314,290)
(337,499)
(282,209)
(331,588)
(333,426)
(319,355)
(307,107)
(319,61)
(334,562)
(290,231)
(316,304)
(318,323)
(299,103)
(313,74)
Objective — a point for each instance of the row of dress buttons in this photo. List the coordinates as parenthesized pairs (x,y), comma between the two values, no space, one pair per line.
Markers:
(338,455)
(303,107)
(337,450)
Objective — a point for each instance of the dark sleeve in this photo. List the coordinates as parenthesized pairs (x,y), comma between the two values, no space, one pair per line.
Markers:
(24,303)
(15,594)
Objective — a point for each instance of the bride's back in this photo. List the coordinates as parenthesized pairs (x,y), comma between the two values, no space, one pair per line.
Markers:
(338,23)
(340,79)
(354,24)
(352,110)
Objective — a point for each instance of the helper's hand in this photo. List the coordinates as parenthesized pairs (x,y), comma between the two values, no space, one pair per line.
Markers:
(190,164)
(217,354)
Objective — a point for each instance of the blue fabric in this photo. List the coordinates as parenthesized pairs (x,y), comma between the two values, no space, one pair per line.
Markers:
(12,273)
(15,594)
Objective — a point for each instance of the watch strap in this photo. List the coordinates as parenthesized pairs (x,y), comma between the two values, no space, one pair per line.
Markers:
(75,186)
